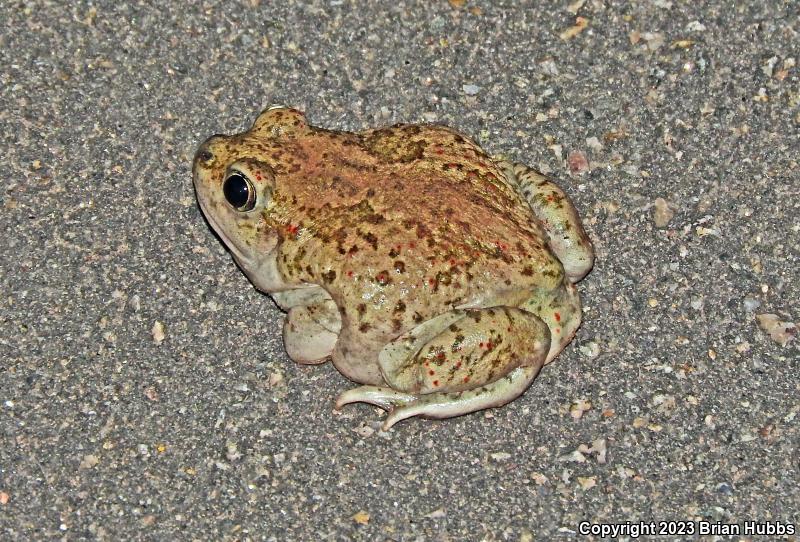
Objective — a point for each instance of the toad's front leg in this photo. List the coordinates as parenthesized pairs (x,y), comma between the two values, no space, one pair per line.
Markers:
(458,362)
(310,331)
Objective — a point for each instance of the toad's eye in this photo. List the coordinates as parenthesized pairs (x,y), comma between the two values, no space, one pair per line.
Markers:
(239,192)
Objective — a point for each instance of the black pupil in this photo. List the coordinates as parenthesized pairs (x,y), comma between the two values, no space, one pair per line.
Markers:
(236,190)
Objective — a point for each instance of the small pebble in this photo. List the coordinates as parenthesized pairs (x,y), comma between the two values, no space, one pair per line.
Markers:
(471,90)
(575,457)
(751,303)
(590,349)
(662,213)
(578,407)
(436,514)
(577,163)
(695,26)
(594,144)
(580,25)
(158,332)
(779,331)
(725,489)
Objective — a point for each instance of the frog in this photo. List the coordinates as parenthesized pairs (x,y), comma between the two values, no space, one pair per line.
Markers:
(438,278)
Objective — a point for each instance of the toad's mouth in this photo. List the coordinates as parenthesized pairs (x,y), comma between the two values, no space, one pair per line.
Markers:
(233,245)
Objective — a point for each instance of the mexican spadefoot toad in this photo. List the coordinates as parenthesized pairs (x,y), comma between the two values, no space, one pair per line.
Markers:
(439,278)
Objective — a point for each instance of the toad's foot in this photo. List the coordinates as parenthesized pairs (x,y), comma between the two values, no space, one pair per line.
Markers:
(442,405)
(384,398)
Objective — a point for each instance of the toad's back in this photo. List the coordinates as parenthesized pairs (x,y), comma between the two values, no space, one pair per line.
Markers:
(420,207)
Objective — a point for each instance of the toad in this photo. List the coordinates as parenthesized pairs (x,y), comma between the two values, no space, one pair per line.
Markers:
(437,277)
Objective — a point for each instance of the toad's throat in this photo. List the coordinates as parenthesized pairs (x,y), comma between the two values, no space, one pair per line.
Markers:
(231,243)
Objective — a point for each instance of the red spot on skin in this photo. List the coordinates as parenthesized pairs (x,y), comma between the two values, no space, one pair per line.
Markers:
(435,382)
(481,345)
(258,177)
(489,346)
(452,261)
(411,245)
(549,197)
(558,317)
(431,281)
(291,228)
(466,379)
(382,278)
(431,372)
(501,246)
(349,273)
(557,330)
(458,365)
(439,151)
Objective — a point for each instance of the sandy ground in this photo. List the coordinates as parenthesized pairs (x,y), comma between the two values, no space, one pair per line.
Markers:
(145,393)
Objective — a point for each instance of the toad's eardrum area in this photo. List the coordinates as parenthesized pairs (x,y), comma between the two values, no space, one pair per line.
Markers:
(437,277)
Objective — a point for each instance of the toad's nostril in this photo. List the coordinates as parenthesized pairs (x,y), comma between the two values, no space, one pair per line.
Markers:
(203,158)
(205,154)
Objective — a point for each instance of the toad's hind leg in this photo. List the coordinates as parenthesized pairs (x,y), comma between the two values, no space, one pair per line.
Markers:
(558,216)
(560,309)
(456,363)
